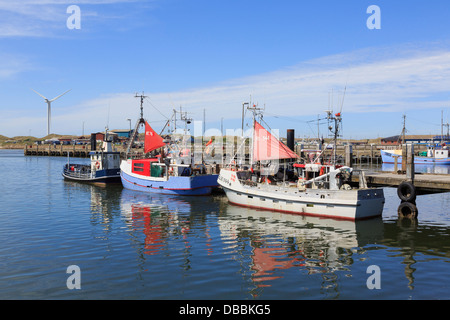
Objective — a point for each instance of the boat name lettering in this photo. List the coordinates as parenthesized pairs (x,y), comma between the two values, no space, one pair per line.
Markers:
(225,180)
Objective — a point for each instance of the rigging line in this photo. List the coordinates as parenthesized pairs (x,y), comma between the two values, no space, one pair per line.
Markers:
(285,117)
(312,130)
(154,121)
(149,101)
(422,121)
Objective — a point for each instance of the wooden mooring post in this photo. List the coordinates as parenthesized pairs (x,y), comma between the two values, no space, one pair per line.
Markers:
(406,191)
(348,155)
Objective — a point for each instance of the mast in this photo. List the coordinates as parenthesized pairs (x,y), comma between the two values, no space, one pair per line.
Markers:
(404,129)
(337,119)
(254,109)
(138,123)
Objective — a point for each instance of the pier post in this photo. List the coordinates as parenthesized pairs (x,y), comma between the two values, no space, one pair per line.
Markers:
(410,162)
(404,157)
(406,190)
(395,164)
(348,155)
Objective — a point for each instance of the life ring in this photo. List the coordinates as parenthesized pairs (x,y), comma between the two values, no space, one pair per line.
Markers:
(407,210)
(406,191)
(97,165)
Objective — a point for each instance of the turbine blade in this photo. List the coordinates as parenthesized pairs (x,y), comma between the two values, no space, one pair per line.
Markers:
(39,94)
(60,95)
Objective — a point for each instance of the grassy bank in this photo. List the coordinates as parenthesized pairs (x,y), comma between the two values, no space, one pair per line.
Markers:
(19,142)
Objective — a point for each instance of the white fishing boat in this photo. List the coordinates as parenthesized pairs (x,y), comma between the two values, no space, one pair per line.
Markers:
(315,189)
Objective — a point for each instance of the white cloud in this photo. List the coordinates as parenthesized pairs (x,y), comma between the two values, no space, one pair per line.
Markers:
(43,18)
(11,65)
(389,84)
(398,82)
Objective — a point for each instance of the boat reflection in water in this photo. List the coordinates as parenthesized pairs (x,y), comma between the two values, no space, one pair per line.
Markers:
(420,168)
(157,216)
(282,241)
(194,245)
(265,245)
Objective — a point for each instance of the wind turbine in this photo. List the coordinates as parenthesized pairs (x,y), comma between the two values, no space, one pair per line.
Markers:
(49,109)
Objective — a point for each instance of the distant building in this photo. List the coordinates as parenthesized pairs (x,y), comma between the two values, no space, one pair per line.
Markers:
(416,139)
(391,140)
(122,133)
(100,136)
(443,138)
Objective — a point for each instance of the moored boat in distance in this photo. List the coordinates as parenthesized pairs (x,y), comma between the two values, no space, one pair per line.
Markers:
(433,155)
(104,166)
(437,153)
(314,189)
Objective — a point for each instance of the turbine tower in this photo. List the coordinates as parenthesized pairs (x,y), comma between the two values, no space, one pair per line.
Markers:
(49,109)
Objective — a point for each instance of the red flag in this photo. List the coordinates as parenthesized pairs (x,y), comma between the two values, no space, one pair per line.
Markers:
(209,142)
(267,147)
(152,139)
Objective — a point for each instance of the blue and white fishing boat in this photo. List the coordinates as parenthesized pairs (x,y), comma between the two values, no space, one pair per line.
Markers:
(150,175)
(433,155)
(161,174)
(436,154)
(104,166)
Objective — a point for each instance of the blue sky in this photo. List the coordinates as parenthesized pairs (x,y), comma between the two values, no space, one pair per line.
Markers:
(288,56)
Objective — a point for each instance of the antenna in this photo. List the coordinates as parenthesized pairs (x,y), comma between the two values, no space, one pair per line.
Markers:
(404,129)
(183,117)
(49,108)
(337,120)
(343,97)
(142,105)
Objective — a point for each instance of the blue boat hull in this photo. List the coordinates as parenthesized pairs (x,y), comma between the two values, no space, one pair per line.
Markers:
(186,186)
(83,174)
(387,157)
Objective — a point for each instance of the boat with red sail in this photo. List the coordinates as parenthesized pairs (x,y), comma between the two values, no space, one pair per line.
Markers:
(315,189)
(162,173)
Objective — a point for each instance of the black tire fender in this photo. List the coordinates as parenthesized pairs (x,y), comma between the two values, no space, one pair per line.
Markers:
(407,210)
(406,191)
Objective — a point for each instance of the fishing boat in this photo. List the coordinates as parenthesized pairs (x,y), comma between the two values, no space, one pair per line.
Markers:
(104,166)
(435,154)
(162,173)
(315,189)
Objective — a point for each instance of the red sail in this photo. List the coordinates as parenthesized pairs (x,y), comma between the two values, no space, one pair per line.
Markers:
(152,139)
(267,147)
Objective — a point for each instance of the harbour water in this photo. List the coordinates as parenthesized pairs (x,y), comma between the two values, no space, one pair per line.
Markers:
(131,245)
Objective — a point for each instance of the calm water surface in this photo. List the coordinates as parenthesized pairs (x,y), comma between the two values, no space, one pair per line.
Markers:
(131,245)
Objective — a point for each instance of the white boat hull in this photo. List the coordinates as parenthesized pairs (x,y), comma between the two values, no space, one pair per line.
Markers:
(355,204)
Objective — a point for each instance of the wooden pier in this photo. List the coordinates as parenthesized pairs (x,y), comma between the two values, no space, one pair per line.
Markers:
(76,151)
(424,182)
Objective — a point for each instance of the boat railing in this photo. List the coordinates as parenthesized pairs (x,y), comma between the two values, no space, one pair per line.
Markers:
(76,173)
